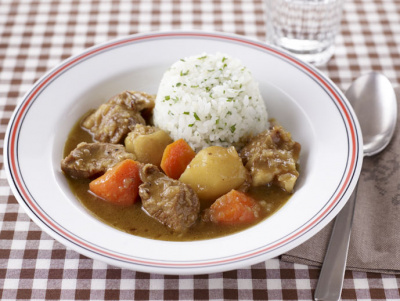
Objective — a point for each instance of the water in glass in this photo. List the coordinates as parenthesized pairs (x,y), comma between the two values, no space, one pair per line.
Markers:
(306,28)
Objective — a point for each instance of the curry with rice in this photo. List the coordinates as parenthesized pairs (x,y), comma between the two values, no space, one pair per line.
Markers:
(134,177)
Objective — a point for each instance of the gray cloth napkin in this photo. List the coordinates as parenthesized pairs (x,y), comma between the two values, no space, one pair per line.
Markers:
(375,236)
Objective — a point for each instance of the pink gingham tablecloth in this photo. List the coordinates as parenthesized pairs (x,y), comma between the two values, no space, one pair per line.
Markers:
(37,35)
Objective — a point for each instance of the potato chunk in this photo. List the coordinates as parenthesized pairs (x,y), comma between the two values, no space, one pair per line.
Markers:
(214,171)
(147,144)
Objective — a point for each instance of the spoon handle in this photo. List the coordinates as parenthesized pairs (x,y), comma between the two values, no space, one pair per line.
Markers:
(330,282)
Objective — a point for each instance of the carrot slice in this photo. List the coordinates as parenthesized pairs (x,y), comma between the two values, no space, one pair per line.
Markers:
(119,185)
(176,158)
(234,208)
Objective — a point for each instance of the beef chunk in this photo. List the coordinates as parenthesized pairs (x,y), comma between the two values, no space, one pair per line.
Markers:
(271,157)
(171,202)
(112,121)
(141,130)
(134,100)
(89,160)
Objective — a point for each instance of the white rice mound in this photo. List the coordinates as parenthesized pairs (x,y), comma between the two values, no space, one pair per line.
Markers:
(209,99)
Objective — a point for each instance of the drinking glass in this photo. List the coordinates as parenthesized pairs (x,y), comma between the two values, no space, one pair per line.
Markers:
(306,28)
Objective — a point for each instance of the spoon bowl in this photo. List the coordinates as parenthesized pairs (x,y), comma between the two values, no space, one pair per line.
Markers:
(374,101)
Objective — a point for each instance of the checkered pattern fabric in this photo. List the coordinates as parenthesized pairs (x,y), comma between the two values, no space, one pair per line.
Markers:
(37,35)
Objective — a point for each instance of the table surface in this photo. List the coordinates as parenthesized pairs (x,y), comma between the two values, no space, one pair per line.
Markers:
(37,35)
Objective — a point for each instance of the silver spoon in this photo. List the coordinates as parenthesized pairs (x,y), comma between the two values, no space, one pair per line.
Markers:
(374,102)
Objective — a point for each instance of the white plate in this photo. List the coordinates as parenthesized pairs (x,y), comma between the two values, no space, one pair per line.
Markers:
(307,103)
